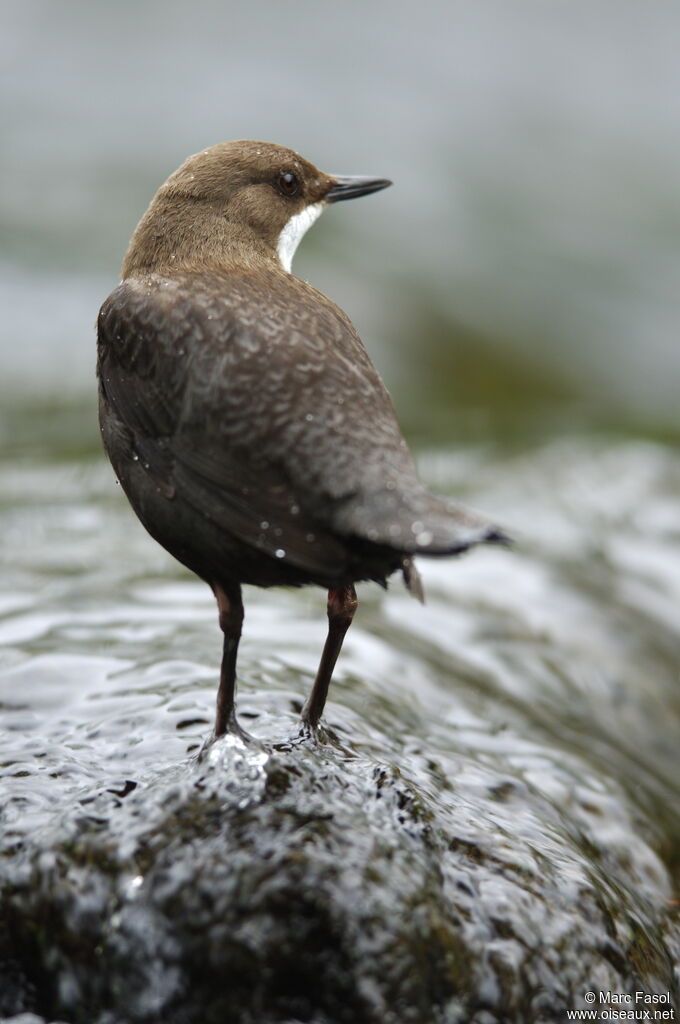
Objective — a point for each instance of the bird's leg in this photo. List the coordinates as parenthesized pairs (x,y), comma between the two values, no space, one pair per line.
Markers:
(342,604)
(230,608)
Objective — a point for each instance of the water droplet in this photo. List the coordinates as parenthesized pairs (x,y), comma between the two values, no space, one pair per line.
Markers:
(310,538)
(417,527)
(280,553)
(264,525)
(424,537)
(294,509)
(395,530)
(309,417)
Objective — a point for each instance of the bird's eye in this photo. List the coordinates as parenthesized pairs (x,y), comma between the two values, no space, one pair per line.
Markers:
(288,183)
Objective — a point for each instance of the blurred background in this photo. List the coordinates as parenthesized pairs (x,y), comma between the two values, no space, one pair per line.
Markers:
(522,277)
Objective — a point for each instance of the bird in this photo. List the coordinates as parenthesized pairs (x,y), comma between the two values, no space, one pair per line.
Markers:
(242,415)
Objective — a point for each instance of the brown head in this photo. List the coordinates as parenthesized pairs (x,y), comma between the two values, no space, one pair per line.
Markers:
(238,203)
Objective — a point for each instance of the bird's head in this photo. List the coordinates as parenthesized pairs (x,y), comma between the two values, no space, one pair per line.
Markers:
(237,202)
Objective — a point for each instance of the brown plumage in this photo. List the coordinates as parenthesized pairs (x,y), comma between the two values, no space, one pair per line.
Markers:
(245,421)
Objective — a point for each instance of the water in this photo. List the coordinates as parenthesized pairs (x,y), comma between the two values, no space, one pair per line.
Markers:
(521,729)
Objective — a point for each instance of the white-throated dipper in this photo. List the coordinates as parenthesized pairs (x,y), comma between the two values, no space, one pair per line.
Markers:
(243,417)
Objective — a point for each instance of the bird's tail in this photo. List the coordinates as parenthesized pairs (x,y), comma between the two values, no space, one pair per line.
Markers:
(416,523)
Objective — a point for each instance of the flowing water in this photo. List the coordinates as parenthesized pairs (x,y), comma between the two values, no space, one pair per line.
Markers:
(529,713)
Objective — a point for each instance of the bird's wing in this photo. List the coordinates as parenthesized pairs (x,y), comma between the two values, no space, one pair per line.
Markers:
(166,371)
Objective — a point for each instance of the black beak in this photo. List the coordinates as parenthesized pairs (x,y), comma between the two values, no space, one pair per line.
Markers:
(350,188)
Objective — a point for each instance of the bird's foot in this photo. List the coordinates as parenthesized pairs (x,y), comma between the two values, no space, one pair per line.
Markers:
(233,731)
(317,734)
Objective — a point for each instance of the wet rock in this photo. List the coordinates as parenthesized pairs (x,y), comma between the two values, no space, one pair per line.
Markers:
(319,884)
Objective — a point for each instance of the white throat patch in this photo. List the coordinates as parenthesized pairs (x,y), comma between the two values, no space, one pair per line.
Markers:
(290,237)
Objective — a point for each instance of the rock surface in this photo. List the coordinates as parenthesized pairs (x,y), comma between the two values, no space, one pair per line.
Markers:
(316,884)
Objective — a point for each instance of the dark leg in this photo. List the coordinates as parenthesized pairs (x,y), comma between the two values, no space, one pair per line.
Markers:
(231,619)
(342,604)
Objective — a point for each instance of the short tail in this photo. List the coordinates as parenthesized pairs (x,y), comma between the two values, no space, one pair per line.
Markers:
(417,523)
